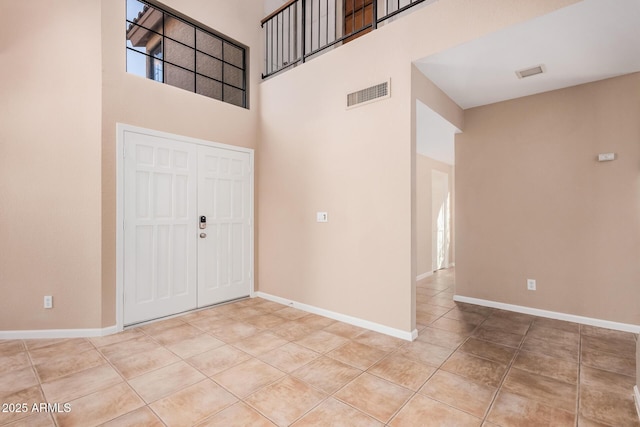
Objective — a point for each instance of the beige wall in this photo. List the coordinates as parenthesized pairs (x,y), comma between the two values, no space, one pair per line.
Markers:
(50,215)
(66,89)
(533,202)
(424,219)
(316,156)
(358,165)
(432,96)
(137,101)
(62,95)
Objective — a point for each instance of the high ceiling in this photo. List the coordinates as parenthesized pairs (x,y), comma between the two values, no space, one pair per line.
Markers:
(588,41)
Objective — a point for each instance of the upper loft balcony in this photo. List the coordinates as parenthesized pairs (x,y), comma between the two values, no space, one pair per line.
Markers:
(302,29)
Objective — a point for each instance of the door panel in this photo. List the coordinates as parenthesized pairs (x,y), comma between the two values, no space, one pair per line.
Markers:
(159,218)
(224,197)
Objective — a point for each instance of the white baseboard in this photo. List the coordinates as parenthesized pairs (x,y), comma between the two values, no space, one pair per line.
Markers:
(424,275)
(57,333)
(408,336)
(636,392)
(626,327)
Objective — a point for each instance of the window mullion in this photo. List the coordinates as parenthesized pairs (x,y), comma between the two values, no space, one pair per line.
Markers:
(195,60)
(164,47)
(159,38)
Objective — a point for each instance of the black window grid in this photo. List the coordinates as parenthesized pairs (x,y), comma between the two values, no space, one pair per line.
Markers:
(224,41)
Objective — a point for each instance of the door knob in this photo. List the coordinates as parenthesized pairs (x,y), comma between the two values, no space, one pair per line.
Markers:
(203,235)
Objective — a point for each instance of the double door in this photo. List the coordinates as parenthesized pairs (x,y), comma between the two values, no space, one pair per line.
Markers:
(187,226)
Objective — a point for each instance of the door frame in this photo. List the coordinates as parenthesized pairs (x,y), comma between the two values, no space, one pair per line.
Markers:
(121,130)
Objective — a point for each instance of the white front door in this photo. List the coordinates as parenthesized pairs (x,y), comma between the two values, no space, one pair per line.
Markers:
(224,200)
(171,264)
(160,216)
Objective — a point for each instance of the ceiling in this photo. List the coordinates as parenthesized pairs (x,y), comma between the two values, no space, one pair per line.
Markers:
(581,43)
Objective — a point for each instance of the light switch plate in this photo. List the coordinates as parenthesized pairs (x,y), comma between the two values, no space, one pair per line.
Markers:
(322,217)
(606,157)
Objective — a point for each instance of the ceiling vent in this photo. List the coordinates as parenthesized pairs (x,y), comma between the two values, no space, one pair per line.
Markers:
(370,94)
(538,69)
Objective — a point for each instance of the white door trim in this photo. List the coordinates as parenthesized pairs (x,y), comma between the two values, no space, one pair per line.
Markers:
(121,130)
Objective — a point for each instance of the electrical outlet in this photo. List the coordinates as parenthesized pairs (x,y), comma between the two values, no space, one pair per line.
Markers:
(531,284)
(48,301)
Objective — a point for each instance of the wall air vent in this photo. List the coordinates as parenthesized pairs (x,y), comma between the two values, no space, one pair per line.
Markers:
(370,94)
(538,69)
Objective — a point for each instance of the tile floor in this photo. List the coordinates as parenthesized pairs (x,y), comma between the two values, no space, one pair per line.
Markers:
(258,363)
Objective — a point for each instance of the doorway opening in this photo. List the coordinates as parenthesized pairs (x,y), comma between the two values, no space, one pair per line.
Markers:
(435,192)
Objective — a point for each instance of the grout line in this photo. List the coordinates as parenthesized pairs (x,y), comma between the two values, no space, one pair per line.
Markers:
(506,372)
(107,361)
(286,375)
(37,376)
(454,350)
(439,368)
(579,372)
(395,414)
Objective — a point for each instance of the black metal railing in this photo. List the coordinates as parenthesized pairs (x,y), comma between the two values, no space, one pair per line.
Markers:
(301,29)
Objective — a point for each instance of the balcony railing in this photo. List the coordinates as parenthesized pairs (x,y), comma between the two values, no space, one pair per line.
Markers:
(301,29)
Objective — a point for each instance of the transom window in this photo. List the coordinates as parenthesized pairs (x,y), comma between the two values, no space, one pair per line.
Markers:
(166,48)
